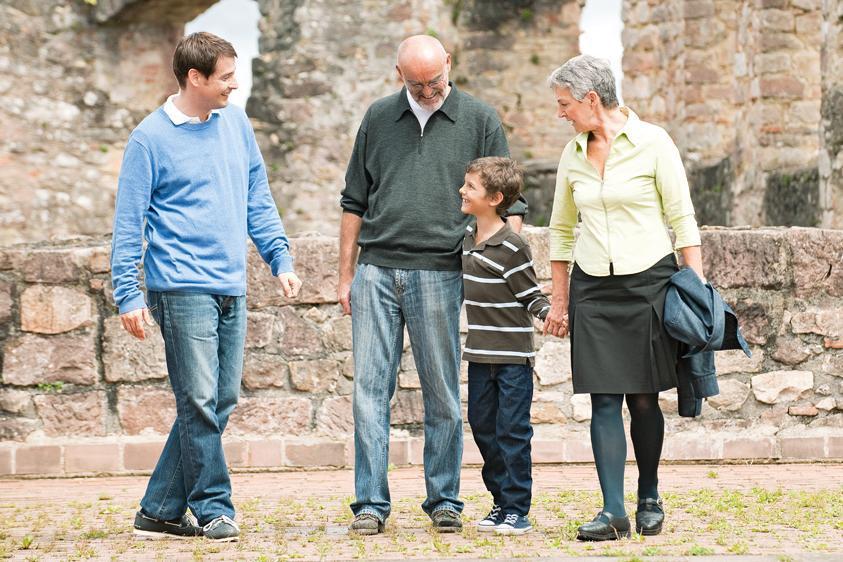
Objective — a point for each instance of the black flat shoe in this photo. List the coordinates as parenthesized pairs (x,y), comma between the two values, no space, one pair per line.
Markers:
(604,527)
(649,517)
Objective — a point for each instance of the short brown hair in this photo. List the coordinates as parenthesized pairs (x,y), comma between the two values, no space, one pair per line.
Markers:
(499,175)
(199,50)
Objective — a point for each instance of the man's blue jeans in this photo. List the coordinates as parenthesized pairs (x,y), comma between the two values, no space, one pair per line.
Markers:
(204,336)
(383,300)
(499,400)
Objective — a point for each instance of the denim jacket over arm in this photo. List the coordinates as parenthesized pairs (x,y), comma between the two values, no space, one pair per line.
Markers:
(696,315)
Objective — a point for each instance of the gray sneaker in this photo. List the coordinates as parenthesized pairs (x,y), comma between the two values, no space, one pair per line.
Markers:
(222,529)
(366,524)
(446,521)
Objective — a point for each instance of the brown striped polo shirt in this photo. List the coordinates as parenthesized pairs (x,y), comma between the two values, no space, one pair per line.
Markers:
(501,292)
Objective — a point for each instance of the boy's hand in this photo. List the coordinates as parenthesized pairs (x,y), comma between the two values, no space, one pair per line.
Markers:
(290,283)
(133,322)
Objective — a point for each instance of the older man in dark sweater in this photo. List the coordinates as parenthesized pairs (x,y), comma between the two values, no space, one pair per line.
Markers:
(401,207)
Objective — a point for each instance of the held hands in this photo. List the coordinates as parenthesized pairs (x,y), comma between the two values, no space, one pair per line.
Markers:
(290,283)
(134,321)
(556,322)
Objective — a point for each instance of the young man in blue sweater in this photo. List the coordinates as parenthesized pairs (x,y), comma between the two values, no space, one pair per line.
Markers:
(193,186)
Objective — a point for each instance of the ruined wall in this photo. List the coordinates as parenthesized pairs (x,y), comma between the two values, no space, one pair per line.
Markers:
(737,84)
(831,125)
(79,395)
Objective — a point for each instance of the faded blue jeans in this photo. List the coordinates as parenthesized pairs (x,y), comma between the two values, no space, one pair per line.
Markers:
(383,301)
(204,337)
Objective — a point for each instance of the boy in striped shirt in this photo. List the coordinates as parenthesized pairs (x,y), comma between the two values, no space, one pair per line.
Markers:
(501,294)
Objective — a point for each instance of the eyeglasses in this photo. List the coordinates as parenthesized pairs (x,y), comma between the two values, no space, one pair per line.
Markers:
(416,86)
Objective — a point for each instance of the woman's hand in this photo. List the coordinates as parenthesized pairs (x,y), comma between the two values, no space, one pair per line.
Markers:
(556,321)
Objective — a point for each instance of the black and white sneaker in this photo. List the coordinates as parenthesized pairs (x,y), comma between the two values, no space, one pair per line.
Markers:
(495,518)
(147,527)
(222,529)
(514,524)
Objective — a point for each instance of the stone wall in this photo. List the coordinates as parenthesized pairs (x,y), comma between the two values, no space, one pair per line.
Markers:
(737,83)
(79,395)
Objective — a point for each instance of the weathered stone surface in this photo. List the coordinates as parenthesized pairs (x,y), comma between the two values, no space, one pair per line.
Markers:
(581,407)
(316,265)
(293,336)
(826,404)
(732,395)
(338,333)
(553,363)
(259,329)
(261,370)
(807,410)
(827,322)
(319,375)
(72,414)
(16,401)
(409,379)
(271,415)
(538,239)
(736,361)
(791,351)
(51,266)
(128,359)
(781,386)
(5,302)
(146,409)
(335,417)
(16,429)
(31,359)
(817,255)
(549,409)
(54,309)
(755,319)
(407,407)
(746,258)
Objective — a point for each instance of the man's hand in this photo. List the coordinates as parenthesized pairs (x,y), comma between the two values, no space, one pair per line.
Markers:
(133,322)
(556,322)
(344,294)
(290,283)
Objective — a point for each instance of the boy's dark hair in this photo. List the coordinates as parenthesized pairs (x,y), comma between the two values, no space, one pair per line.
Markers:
(199,50)
(499,175)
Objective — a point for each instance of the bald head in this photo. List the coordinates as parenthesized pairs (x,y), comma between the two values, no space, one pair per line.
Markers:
(423,65)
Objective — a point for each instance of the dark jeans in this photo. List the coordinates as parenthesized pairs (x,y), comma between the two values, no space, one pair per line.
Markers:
(499,398)
(204,337)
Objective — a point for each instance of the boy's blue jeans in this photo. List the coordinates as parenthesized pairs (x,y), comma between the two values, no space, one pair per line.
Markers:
(499,399)
(383,301)
(204,337)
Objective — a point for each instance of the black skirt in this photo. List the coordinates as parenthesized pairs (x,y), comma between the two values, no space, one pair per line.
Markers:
(618,341)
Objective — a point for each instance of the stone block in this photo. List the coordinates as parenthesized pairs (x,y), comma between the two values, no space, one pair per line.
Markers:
(736,361)
(261,370)
(271,415)
(826,404)
(553,363)
(141,409)
(816,258)
(749,448)
(294,336)
(5,302)
(547,451)
(30,359)
(538,238)
(38,459)
(694,9)
(732,395)
(16,429)
(409,379)
(781,386)
(399,452)
(236,453)
(60,265)
(825,322)
(16,401)
(696,446)
(316,264)
(581,407)
(53,309)
(72,414)
(802,447)
(318,375)
(5,461)
(756,318)
(791,351)
(266,453)
(805,410)
(338,334)
(578,448)
(315,453)
(778,20)
(259,327)
(546,411)
(142,456)
(128,359)
(470,452)
(87,457)
(407,407)
(746,258)
(335,417)
(834,445)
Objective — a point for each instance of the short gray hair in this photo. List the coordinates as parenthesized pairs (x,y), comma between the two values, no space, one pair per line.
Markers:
(583,74)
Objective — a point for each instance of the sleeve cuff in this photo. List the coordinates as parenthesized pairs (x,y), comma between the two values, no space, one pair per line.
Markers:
(687,232)
(134,303)
(282,264)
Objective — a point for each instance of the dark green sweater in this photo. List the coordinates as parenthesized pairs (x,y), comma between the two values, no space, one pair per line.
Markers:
(405,185)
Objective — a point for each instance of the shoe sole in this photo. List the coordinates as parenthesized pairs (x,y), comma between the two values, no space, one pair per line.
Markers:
(447,529)
(486,528)
(513,531)
(223,539)
(649,532)
(366,532)
(157,536)
(585,536)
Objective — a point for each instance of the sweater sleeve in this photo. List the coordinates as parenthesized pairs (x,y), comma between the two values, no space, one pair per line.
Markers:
(563,218)
(358,182)
(263,221)
(521,279)
(672,184)
(134,190)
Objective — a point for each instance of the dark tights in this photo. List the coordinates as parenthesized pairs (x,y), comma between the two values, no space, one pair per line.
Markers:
(609,444)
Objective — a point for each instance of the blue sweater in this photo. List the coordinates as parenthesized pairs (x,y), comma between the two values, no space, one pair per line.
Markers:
(200,189)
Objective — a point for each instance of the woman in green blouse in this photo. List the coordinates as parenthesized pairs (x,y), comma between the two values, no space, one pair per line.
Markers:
(623,177)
